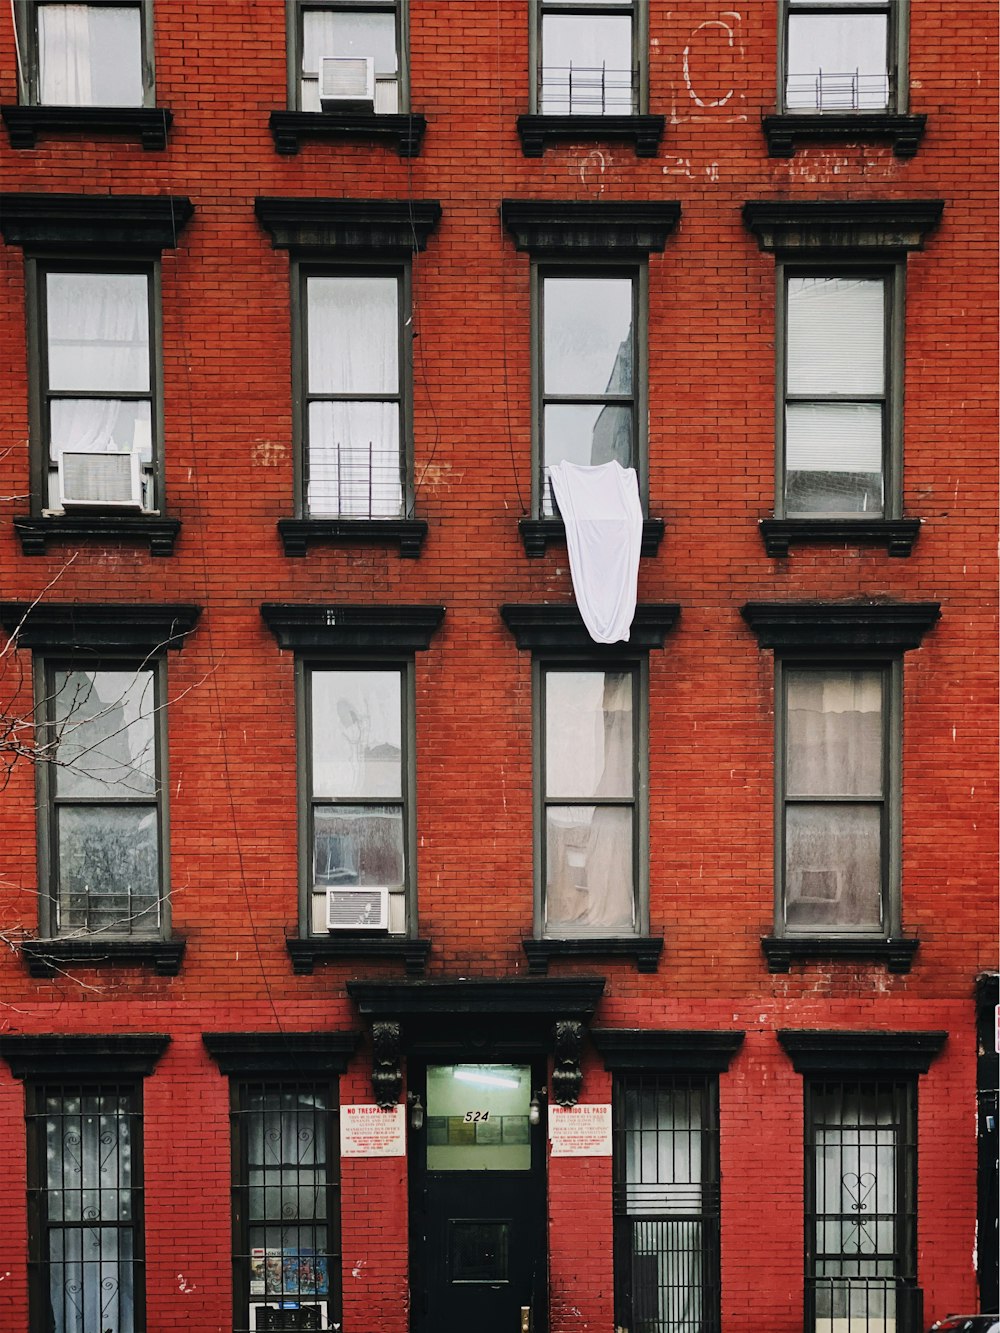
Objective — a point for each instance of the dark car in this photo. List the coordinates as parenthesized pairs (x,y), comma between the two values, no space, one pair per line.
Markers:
(967,1323)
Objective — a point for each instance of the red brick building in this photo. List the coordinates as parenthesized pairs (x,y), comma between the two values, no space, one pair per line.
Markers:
(659,956)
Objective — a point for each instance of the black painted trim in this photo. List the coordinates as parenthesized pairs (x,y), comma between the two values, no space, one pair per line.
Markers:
(661,1051)
(817,228)
(306,953)
(897,535)
(539,533)
(331,228)
(567,228)
(644,949)
(60,1056)
(46,958)
(147,628)
(559,997)
(559,627)
(251,1054)
(117,224)
(782,951)
(338,627)
(537,131)
(786,131)
(298,534)
(148,124)
(35,534)
(840,629)
(404,129)
(818,1051)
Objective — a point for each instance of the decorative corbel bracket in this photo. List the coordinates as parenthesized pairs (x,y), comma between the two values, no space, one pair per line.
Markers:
(387,1063)
(567,1075)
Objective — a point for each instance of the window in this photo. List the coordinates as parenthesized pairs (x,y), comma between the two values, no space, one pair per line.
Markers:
(98,389)
(587,60)
(86,55)
(844,55)
(666,1203)
(590,372)
(358,772)
(591,819)
(840,412)
(353,406)
(365,40)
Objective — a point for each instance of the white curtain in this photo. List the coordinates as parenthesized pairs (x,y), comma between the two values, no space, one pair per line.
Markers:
(89,55)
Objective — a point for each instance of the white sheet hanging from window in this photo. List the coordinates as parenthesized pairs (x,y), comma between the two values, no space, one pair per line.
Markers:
(603,516)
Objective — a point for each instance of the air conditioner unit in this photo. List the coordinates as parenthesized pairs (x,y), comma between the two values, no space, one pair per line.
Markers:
(287,1315)
(347,83)
(100,480)
(357,907)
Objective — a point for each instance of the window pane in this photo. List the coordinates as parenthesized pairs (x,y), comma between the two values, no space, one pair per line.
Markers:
(88,1158)
(586,65)
(589,867)
(587,434)
(353,335)
(354,460)
(358,845)
(91,1279)
(109,872)
(588,335)
(357,736)
(833,866)
(100,425)
(97,327)
(89,55)
(477,1120)
(837,62)
(836,336)
(833,458)
(834,733)
(104,726)
(588,733)
(346,34)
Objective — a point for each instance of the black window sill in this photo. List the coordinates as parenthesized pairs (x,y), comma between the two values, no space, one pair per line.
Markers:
(298,534)
(780,953)
(644,949)
(897,535)
(323,949)
(46,958)
(147,124)
(36,533)
(785,132)
(403,129)
(538,533)
(536,132)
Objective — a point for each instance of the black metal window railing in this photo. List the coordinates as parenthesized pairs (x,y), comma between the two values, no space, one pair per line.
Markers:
(84,1200)
(356,481)
(666,1205)
(286,1265)
(587,90)
(829,90)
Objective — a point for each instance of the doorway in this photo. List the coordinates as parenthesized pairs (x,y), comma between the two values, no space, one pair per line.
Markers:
(478,1256)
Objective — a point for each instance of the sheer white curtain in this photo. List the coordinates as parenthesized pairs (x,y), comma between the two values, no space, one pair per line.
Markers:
(89,55)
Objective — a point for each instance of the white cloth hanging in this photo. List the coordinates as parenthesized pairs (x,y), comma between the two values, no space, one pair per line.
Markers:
(603,516)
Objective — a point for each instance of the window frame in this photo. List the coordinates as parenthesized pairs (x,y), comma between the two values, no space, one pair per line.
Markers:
(636,10)
(305,665)
(893,277)
(294,11)
(897,58)
(28,65)
(302,269)
(637,666)
(44,667)
(638,271)
(891,672)
(38,267)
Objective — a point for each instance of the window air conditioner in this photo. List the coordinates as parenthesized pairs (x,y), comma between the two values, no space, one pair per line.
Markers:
(357,908)
(346,83)
(89,480)
(287,1315)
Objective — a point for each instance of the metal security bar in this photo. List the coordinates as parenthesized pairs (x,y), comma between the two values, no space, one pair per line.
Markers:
(84,1202)
(579,90)
(860,1208)
(824,90)
(356,481)
(666,1205)
(286,1260)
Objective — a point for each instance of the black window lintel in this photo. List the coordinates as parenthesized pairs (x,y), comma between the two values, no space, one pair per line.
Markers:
(644,949)
(330,228)
(254,1054)
(137,224)
(559,627)
(582,228)
(141,628)
(340,628)
(666,1052)
(305,953)
(46,958)
(35,534)
(105,1056)
(840,629)
(786,131)
(897,535)
(298,534)
(404,129)
(148,124)
(817,1051)
(882,228)
(538,130)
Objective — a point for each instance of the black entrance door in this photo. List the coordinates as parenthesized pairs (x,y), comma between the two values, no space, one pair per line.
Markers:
(477,1207)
